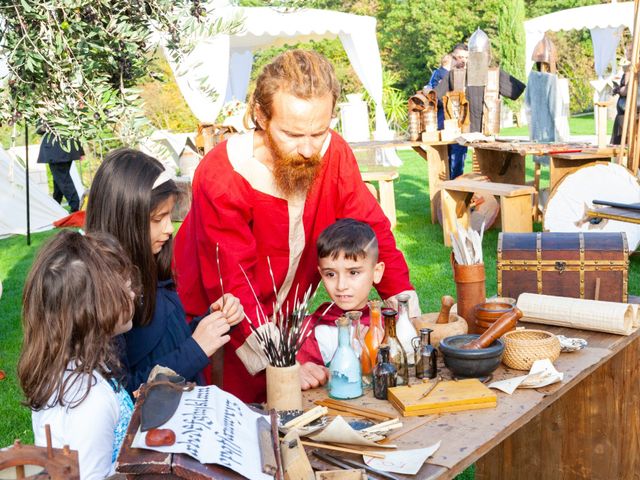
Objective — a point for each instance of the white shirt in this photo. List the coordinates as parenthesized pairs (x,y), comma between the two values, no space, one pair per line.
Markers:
(88,427)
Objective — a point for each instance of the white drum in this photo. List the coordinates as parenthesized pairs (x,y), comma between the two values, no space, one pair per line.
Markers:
(566,209)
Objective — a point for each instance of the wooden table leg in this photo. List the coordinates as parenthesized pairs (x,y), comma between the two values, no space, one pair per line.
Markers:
(515,214)
(450,201)
(388,200)
(592,431)
(437,158)
(501,167)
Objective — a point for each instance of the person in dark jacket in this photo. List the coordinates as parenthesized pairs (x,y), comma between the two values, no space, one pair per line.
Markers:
(438,74)
(59,153)
(132,197)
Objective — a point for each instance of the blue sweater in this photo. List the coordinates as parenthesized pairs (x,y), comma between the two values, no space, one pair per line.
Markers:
(166,341)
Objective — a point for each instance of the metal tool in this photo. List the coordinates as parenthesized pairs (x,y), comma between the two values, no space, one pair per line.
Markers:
(349,464)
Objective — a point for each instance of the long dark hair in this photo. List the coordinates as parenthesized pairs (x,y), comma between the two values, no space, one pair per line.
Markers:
(121,201)
(76,294)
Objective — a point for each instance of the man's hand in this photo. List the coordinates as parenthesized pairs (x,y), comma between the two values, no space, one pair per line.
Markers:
(230,307)
(312,375)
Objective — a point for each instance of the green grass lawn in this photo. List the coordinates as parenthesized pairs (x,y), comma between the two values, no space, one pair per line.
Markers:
(420,241)
(582,125)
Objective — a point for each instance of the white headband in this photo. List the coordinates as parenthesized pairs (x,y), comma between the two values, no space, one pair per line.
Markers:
(164,177)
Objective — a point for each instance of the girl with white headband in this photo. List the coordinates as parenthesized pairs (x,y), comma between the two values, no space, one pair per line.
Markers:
(132,197)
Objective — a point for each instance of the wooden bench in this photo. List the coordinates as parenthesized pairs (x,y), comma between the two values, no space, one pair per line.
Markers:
(515,205)
(386,196)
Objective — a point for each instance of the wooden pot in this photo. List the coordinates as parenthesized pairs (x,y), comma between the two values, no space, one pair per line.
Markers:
(283,388)
(444,323)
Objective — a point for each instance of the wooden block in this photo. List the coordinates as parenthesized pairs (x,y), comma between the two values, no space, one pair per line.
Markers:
(386,195)
(448,396)
(294,458)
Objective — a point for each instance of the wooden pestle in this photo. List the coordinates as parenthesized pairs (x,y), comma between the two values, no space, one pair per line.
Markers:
(445,308)
(501,326)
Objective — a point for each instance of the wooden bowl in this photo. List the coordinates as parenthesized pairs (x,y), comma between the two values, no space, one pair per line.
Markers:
(456,326)
(488,312)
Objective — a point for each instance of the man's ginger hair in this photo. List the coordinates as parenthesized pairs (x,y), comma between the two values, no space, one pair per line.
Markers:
(302,73)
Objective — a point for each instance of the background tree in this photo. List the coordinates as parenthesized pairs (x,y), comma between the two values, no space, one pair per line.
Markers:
(73,65)
(509,43)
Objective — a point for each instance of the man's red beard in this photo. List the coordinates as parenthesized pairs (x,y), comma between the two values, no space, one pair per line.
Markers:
(293,174)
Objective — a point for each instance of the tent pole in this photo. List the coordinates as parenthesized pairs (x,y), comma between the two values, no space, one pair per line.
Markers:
(26,148)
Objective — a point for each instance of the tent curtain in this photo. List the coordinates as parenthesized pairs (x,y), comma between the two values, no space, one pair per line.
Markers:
(240,64)
(605,42)
(196,73)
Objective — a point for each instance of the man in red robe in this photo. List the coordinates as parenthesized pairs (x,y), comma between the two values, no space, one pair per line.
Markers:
(261,199)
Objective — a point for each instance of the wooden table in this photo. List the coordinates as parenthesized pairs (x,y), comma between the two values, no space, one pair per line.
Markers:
(434,153)
(613,213)
(585,427)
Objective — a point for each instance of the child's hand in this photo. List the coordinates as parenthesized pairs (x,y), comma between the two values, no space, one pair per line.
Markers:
(312,375)
(230,307)
(210,334)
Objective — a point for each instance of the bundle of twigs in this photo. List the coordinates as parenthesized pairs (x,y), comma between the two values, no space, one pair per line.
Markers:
(287,328)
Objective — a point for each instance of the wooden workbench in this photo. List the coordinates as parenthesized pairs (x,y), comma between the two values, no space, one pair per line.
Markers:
(585,427)
(434,153)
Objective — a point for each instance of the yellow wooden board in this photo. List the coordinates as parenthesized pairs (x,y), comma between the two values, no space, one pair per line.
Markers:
(448,396)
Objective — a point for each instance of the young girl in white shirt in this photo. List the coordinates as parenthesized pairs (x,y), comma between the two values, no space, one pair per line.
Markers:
(79,294)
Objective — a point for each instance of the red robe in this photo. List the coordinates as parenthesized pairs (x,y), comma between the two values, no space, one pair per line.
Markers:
(310,351)
(237,207)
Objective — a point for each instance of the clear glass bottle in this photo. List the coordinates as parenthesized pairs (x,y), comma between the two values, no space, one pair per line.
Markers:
(357,342)
(375,334)
(384,375)
(344,368)
(397,355)
(426,355)
(405,330)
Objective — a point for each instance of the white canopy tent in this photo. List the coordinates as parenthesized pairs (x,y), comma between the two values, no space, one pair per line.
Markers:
(224,62)
(44,210)
(606,22)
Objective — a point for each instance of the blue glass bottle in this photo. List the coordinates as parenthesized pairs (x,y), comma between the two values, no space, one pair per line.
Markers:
(345,371)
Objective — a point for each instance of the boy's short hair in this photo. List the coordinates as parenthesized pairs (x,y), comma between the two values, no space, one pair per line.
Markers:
(349,237)
(460,46)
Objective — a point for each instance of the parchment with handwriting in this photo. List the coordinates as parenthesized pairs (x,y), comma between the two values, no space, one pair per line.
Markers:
(213,426)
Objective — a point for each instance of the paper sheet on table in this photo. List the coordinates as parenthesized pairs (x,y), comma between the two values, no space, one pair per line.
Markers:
(408,462)
(542,373)
(339,431)
(213,426)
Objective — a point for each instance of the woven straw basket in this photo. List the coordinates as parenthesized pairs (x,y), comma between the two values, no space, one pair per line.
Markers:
(523,347)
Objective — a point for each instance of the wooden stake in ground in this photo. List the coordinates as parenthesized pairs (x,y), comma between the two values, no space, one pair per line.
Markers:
(629,125)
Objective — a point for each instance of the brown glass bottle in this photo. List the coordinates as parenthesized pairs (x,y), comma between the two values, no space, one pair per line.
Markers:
(384,375)
(397,355)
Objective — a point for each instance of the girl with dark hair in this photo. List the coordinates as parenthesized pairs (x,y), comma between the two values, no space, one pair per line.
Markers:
(132,197)
(78,295)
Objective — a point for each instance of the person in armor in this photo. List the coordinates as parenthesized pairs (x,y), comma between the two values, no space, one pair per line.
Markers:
(547,97)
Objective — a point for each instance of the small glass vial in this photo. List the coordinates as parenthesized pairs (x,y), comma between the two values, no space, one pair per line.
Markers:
(375,334)
(357,341)
(344,369)
(397,355)
(405,331)
(426,355)
(384,375)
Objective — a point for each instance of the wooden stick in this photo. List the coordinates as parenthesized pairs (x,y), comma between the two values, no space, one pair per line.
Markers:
(338,410)
(596,296)
(404,432)
(329,402)
(326,446)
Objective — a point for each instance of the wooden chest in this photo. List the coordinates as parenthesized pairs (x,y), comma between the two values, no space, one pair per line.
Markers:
(578,265)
